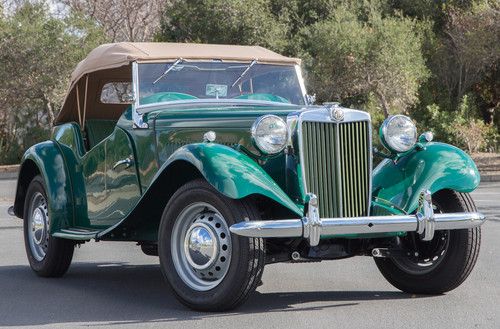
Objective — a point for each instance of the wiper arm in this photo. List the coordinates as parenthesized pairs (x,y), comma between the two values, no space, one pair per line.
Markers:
(244,72)
(170,68)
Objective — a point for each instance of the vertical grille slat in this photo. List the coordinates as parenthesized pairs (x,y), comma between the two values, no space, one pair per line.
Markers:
(322,160)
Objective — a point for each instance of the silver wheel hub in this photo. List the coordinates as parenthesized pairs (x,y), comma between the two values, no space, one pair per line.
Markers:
(201,246)
(39,226)
(38,229)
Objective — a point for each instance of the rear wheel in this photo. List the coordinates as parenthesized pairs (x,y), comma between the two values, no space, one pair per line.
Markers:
(208,268)
(48,256)
(439,265)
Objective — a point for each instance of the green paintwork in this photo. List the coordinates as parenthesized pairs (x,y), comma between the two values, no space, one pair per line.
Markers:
(435,167)
(111,192)
(103,195)
(232,173)
(178,127)
(88,198)
(98,130)
(69,139)
(49,159)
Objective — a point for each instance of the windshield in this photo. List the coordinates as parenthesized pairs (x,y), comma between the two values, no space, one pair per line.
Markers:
(184,80)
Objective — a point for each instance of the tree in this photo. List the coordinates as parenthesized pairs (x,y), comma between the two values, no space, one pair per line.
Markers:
(469,49)
(124,20)
(350,56)
(228,22)
(38,53)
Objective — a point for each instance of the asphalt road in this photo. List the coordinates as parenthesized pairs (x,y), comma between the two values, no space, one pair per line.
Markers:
(115,285)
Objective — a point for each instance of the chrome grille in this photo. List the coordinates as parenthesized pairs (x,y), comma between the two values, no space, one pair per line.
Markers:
(336,165)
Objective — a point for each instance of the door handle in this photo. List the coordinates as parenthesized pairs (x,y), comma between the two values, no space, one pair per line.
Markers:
(125,162)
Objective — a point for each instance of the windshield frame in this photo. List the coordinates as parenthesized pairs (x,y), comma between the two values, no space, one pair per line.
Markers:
(145,108)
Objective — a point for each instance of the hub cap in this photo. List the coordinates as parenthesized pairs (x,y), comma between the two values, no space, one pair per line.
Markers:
(38,230)
(201,246)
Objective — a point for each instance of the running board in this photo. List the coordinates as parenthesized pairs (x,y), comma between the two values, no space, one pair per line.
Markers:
(76,234)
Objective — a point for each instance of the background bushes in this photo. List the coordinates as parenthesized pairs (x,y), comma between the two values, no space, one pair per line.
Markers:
(437,61)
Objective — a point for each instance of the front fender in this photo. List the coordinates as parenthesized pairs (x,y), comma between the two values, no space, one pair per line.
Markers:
(231,172)
(436,167)
(49,162)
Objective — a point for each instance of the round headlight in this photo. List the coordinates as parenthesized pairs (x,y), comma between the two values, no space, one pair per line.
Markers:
(398,133)
(270,134)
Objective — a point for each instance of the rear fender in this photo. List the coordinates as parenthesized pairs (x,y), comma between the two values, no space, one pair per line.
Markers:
(47,160)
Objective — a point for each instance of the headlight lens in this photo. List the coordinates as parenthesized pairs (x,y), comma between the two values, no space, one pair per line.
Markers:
(398,133)
(270,134)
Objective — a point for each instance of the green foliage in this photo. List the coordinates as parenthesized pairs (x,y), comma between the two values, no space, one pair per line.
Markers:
(462,127)
(229,22)
(38,53)
(348,56)
(435,60)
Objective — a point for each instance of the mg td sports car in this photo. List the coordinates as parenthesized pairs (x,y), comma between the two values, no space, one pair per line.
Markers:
(213,158)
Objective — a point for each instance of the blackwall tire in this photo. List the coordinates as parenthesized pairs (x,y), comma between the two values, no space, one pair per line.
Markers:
(220,273)
(457,261)
(48,256)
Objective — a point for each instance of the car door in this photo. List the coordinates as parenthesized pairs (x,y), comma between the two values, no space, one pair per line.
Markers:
(112,185)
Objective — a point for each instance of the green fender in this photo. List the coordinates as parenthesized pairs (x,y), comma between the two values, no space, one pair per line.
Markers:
(231,172)
(50,162)
(435,166)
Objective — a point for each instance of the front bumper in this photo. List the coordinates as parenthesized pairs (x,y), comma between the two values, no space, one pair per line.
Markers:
(312,227)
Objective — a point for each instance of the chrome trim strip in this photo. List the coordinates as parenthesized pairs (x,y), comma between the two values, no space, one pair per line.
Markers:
(311,227)
(337,168)
(302,85)
(137,117)
(370,165)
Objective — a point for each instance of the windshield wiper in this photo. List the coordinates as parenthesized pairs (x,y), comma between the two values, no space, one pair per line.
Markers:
(170,68)
(244,72)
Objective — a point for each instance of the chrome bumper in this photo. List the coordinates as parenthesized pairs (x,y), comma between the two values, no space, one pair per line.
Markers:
(312,227)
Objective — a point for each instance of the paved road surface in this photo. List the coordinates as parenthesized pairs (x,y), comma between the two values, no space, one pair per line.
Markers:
(115,285)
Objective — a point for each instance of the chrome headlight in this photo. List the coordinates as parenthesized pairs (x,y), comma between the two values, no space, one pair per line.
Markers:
(398,133)
(270,134)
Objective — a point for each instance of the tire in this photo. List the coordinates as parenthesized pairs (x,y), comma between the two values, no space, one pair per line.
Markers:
(226,274)
(48,256)
(455,263)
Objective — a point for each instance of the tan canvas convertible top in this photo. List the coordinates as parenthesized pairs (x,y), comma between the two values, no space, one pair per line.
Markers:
(111,62)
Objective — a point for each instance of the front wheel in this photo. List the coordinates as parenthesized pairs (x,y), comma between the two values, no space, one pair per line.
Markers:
(208,268)
(48,256)
(439,265)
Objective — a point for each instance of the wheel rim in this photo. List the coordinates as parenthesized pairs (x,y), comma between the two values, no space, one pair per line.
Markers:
(38,229)
(201,246)
(424,256)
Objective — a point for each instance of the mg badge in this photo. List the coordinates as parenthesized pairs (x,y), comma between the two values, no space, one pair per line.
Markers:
(336,114)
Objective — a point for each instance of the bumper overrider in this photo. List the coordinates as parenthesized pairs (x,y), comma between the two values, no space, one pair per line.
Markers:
(312,227)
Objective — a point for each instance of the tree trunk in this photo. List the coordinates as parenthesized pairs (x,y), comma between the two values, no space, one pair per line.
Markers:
(383,102)
(50,110)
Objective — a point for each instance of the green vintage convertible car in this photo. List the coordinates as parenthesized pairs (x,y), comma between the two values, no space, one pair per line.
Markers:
(213,158)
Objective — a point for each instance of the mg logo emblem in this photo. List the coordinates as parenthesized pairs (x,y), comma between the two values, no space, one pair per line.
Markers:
(336,114)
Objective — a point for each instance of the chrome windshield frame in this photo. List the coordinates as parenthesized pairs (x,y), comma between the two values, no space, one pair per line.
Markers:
(139,110)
